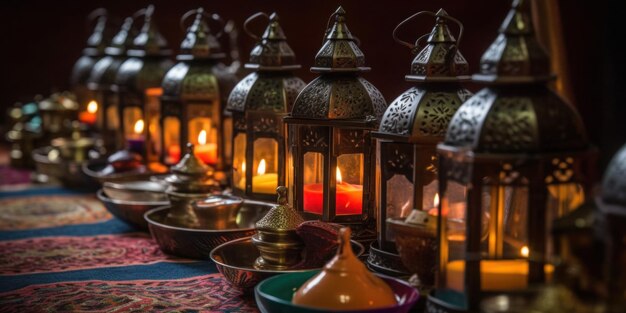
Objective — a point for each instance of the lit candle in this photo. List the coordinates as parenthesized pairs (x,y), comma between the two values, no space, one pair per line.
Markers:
(264,182)
(242,181)
(495,275)
(173,154)
(136,141)
(207,152)
(89,116)
(348,200)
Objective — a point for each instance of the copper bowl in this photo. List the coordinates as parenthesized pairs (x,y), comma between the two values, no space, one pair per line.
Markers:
(67,172)
(131,212)
(235,260)
(93,168)
(197,242)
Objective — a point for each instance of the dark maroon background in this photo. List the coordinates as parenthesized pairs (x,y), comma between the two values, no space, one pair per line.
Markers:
(40,40)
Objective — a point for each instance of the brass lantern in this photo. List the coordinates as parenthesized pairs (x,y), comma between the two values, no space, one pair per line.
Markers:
(332,164)
(513,160)
(96,44)
(194,94)
(104,103)
(411,128)
(258,104)
(138,83)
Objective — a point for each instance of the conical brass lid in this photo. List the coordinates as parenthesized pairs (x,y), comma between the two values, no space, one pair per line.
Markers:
(272,52)
(191,175)
(199,43)
(149,41)
(516,55)
(282,217)
(340,52)
(440,59)
(122,40)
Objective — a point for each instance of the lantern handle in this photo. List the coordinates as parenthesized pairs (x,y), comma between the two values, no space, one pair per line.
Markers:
(415,46)
(249,20)
(211,17)
(143,11)
(97,13)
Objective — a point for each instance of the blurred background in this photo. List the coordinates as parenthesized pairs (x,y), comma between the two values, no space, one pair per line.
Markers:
(40,41)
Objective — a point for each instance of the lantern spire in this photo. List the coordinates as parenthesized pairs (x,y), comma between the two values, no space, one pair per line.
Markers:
(149,41)
(199,42)
(122,40)
(98,40)
(271,52)
(340,51)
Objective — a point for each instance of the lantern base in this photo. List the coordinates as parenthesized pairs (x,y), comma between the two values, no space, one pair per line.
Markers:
(386,262)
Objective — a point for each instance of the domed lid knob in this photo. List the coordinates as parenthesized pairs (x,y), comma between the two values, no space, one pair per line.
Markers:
(191,175)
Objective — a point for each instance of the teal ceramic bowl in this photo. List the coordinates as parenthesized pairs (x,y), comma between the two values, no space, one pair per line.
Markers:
(274,294)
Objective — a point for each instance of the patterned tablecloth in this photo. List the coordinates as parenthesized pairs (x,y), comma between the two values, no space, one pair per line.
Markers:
(61,251)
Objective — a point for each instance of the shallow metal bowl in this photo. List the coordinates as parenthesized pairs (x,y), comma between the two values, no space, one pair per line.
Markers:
(67,172)
(144,191)
(235,260)
(131,212)
(197,242)
(93,168)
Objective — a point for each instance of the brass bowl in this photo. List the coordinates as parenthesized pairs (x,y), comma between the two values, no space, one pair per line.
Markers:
(93,168)
(197,242)
(235,260)
(131,212)
(144,191)
(67,172)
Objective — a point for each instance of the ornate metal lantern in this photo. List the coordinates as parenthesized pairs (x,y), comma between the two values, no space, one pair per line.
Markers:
(194,93)
(96,43)
(105,101)
(138,83)
(258,104)
(411,128)
(332,164)
(513,160)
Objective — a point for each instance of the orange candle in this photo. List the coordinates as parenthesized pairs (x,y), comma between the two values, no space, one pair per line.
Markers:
(173,154)
(348,200)
(207,152)
(89,116)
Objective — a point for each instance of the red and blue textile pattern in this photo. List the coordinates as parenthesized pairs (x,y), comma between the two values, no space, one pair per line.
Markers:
(61,251)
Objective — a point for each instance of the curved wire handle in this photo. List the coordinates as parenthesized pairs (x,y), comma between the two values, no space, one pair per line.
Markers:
(249,20)
(415,46)
(211,17)
(358,41)
(99,12)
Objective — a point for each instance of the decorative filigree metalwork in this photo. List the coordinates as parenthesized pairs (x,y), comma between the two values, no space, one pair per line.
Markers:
(399,116)
(561,170)
(510,125)
(353,138)
(266,124)
(314,137)
(237,98)
(310,102)
(435,112)
(399,160)
(465,125)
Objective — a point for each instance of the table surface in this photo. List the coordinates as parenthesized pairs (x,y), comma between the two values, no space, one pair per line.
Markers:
(61,251)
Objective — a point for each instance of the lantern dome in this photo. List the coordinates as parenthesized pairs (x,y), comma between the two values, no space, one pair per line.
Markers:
(516,113)
(614,182)
(422,113)
(272,87)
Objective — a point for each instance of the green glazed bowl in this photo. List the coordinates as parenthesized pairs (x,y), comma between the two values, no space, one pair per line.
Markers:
(274,294)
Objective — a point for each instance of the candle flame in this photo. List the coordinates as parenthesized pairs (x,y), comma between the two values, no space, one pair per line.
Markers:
(243,167)
(338,176)
(436,200)
(139,126)
(524,251)
(261,169)
(202,137)
(92,107)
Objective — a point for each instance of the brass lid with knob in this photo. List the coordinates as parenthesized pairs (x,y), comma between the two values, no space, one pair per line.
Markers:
(276,237)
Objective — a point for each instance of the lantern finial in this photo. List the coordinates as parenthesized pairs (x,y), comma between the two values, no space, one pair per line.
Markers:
(271,52)
(149,41)
(199,42)
(340,51)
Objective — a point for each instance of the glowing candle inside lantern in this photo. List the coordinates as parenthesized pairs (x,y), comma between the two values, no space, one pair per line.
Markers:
(348,199)
(264,182)
(136,140)
(207,152)
(241,184)
(89,116)
(495,275)
(173,153)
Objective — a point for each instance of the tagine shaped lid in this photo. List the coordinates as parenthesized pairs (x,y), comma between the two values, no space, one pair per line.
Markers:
(345,284)
(191,175)
(271,52)
(281,218)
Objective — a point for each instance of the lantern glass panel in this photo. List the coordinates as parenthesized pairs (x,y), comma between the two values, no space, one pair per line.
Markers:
(111,112)
(430,197)
(265,171)
(133,122)
(349,184)
(399,199)
(453,207)
(171,139)
(203,134)
(227,122)
(562,199)
(152,113)
(313,179)
(239,161)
